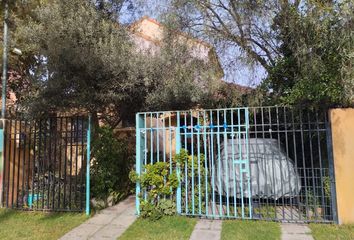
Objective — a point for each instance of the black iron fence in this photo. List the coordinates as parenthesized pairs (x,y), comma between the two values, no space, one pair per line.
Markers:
(45,164)
(306,184)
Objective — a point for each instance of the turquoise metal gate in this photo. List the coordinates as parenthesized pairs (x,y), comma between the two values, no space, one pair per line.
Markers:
(215,182)
(269,163)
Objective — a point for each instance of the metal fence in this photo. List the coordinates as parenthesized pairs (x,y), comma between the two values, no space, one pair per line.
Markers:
(45,164)
(271,163)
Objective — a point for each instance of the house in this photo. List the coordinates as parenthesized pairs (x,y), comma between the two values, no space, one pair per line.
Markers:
(148,36)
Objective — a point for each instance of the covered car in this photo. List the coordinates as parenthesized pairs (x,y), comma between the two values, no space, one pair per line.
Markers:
(272,173)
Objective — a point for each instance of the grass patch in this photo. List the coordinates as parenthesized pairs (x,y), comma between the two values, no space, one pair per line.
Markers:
(252,230)
(175,227)
(37,225)
(335,232)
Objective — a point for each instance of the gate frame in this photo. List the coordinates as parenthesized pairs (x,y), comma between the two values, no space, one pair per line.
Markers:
(141,130)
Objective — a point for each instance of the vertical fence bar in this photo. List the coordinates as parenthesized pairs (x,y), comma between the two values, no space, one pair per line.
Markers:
(198,159)
(49,161)
(66,159)
(24,172)
(29,159)
(44,160)
(205,163)
(287,160)
(88,166)
(257,163)
(212,161)
(186,162)
(233,162)
(273,167)
(226,167)
(192,153)
(76,140)
(331,170)
(240,158)
(219,163)
(34,161)
(55,181)
(248,164)
(280,161)
(320,163)
(6,150)
(60,156)
(140,122)
(82,196)
(312,167)
(296,164)
(2,161)
(304,165)
(145,133)
(71,161)
(13,166)
(178,149)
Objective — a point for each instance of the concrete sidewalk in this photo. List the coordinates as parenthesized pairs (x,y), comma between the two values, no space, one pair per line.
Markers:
(291,231)
(211,230)
(207,230)
(109,223)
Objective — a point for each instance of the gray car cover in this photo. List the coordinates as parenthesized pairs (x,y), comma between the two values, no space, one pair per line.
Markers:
(273,174)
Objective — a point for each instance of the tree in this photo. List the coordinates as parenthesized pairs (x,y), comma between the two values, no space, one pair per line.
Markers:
(244,25)
(299,43)
(17,65)
(82,60)
(312,47)
(85,60)
(181,80)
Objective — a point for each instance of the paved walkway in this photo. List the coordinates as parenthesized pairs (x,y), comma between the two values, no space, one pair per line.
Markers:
(109,223)
(295,232)
(207,230)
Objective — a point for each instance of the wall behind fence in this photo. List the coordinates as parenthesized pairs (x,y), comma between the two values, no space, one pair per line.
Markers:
(342,124)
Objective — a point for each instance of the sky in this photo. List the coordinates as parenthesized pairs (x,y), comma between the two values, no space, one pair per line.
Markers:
(235,70)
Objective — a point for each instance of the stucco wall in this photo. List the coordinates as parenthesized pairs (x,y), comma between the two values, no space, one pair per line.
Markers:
(342,123)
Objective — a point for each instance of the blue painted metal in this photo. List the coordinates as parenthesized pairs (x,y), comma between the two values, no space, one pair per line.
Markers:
(178,149)
(88,158)
(160,135)
(140,122)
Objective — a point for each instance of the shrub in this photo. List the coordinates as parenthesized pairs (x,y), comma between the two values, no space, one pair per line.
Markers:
(160,184)
(110,167)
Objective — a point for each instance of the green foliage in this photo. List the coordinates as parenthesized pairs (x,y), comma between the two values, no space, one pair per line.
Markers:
(309,71)
(183,81)
(164,207)
(110,167)
(150,211)
(190,164)
(158,182)
(167,207)
(83,59)
(304,47)
(327,186)
(160,185)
